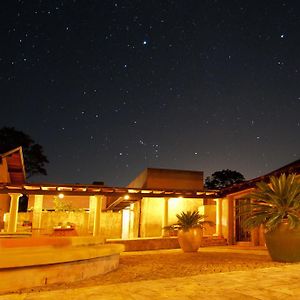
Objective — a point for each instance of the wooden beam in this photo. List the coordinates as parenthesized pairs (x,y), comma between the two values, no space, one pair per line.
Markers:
(88,190)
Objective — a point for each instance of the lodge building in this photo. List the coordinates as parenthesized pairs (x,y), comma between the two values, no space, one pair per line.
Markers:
(136,215)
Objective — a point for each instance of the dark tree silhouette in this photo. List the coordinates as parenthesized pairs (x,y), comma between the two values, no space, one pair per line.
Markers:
(34,157)
(222,179)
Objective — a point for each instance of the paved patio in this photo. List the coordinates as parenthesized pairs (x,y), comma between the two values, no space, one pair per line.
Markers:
(281,282)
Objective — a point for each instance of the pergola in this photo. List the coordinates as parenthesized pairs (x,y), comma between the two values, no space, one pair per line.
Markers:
(102,198)
(118,197)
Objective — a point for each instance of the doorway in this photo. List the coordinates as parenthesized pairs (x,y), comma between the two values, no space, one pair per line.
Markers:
(125,223)
(241,234)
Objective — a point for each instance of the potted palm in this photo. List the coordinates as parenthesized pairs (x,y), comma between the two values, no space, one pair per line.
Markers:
(190,230)
(276,206)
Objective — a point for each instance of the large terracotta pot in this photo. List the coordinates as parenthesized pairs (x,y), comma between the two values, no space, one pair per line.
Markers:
(190,240)
(284,243)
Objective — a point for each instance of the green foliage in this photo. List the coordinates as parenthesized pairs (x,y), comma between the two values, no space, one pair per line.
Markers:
(274,203)
(34,157)
(187,220)
(222,179)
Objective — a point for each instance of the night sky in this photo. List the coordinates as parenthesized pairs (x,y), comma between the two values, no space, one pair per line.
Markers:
(109,88)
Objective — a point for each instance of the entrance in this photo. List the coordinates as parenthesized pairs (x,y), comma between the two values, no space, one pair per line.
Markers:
(241,234)
(125,223)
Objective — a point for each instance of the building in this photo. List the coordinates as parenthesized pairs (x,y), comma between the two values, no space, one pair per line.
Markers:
(140,211)
(234,194)
(12,171)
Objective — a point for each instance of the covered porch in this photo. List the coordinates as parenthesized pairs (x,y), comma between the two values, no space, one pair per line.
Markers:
(115,214)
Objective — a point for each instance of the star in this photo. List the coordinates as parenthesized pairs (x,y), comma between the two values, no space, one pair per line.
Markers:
(159,83)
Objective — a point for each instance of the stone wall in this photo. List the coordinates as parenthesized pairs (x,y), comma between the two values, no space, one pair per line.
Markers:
(110,222)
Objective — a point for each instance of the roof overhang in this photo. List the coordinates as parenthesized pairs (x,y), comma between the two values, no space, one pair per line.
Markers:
(292,168)
(15,165)
(117,197)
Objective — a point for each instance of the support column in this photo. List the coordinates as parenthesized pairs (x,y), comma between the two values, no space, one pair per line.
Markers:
(92,206)
(219,217)
(37,214)
(13,212)
(136,225)
(97,217)
(131,221)
(165,219)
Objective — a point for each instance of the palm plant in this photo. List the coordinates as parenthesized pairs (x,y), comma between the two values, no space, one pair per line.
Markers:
(190,233)
(187,220)
(274,203)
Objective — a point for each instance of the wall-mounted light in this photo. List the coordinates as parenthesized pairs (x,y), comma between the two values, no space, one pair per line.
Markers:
(61,195)
(126,197)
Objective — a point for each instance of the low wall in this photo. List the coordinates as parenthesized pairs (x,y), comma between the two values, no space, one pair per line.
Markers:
(55,241)
(142,244)
(82,221)
(33,266)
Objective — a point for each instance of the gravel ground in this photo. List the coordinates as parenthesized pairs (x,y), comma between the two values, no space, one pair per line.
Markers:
(174,263)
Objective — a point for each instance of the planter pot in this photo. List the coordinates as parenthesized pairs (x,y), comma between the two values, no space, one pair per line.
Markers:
(284,243)
(190,240)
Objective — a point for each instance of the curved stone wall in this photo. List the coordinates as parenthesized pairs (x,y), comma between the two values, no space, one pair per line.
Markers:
(26,267)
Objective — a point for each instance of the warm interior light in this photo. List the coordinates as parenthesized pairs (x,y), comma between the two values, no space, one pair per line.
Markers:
(126,197)
(61,195)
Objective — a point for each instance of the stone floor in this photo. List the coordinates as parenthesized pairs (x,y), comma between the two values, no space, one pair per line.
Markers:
(270,283)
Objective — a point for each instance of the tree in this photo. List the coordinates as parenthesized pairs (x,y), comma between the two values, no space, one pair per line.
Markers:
(34,158)
(222,179)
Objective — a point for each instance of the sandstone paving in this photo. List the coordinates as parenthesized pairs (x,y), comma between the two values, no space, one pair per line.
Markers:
(264,284)
(221,273)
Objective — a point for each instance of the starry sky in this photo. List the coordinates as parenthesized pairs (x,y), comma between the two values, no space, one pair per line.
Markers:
(109,88)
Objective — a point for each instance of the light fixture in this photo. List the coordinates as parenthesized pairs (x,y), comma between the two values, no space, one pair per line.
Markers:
(126,197)
(61,195)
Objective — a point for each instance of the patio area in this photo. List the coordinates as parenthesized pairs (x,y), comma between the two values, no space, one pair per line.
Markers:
(215,272)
